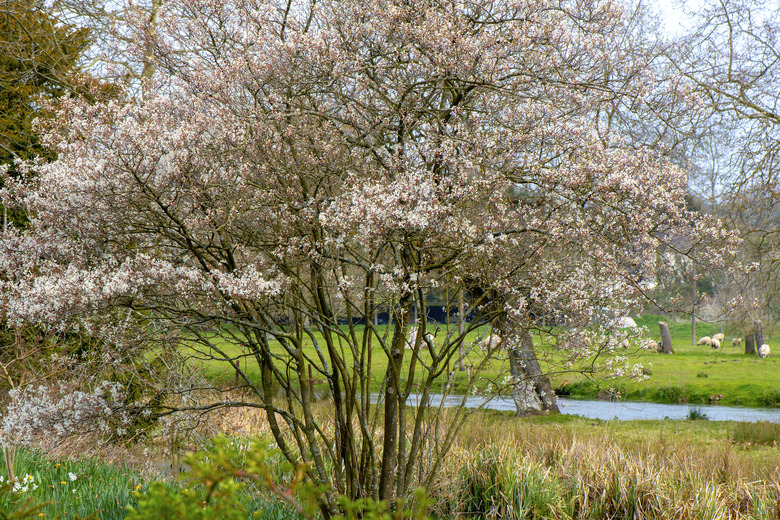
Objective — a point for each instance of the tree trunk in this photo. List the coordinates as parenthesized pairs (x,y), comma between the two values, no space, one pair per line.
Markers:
(392,401)
(532,393)
(758,334)
(666,338)
(461,327)
(693,305)
(750,346)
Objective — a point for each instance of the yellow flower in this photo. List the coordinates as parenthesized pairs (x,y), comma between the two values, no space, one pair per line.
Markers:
(63,482)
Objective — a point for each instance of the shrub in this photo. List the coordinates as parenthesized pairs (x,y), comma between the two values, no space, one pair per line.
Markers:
(696,414)
(223,479)
(770,398)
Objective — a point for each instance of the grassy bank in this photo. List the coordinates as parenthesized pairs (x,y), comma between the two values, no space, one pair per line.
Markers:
(572,468)
(557,468)
(79,488)
(693,374)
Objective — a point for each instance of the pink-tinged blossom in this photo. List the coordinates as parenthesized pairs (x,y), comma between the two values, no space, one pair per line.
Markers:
(287,171)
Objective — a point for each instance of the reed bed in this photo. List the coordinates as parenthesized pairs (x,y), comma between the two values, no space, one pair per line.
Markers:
(511,469)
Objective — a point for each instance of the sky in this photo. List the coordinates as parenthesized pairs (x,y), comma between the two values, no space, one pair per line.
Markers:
(672,14)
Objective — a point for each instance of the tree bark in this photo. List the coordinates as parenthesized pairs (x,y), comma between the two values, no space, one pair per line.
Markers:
(532,392)
(758,334)
(750,347)
(461,328)
(666,338)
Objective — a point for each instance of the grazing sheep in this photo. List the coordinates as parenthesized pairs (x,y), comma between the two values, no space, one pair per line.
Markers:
(719,336)
(624,344)
(490,342)
(735,342)
(763,350)
(428,339)
(706,340)
(714,343)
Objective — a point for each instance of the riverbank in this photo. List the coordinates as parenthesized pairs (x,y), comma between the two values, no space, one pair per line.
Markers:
(693,375)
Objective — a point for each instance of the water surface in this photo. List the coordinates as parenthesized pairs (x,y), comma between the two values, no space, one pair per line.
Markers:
(621,410)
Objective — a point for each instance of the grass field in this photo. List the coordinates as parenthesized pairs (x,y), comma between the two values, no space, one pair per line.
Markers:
(693,374)
(696,374)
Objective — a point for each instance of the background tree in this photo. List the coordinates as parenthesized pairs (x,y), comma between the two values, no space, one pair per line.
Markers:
(730,59)
(123,35)
(292,169)
(38,57)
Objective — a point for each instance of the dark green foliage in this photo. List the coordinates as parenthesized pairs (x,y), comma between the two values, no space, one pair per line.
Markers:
(696,414)
(770,398)
(233,482)
(38,57)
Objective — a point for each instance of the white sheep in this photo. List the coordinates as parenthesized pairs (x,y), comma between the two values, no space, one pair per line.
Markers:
(714,343)
(763,350)
(719,336)
(706,340)
(490,342)
(624,344)
(735,342)
(411,339)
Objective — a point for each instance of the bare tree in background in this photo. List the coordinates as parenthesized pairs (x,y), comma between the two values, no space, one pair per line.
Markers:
(732,61)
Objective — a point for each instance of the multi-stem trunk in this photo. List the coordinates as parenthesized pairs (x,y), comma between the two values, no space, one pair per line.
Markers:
(393,402)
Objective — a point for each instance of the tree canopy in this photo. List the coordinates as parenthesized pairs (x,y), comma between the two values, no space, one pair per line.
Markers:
(38,55)
(292,169)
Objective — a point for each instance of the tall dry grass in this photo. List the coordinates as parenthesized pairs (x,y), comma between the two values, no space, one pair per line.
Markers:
(512,469)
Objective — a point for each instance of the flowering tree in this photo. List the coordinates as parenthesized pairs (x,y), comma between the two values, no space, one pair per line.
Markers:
(292,170)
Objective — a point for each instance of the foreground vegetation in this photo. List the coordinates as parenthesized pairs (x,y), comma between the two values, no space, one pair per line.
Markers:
(556,467)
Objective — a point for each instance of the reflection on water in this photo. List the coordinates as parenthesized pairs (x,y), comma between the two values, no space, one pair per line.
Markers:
(618,410)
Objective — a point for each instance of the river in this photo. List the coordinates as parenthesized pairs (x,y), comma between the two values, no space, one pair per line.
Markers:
(624,410)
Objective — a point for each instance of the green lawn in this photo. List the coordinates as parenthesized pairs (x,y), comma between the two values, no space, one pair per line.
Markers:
(693,374)
(697,374)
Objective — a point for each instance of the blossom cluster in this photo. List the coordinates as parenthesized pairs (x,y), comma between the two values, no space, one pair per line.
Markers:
(52,413)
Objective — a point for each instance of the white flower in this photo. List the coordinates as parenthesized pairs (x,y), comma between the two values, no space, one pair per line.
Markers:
(71,476)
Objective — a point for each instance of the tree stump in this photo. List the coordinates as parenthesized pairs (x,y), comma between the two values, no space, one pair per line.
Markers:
(666,338)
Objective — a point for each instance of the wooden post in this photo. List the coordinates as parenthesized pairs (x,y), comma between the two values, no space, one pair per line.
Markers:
(666,338)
